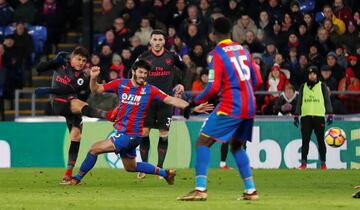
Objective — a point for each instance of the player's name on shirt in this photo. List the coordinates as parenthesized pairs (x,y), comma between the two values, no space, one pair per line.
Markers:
(232,48)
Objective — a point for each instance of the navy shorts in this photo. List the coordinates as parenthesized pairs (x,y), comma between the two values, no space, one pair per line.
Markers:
(223,128)
(125,145)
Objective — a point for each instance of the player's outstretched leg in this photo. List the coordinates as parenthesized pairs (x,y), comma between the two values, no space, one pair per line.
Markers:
(80,107)
(91,158)
(242,162)
(357,194)
(201,171)
(147,168)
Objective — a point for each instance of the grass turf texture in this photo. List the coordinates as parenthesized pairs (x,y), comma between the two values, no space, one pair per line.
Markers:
(117,189)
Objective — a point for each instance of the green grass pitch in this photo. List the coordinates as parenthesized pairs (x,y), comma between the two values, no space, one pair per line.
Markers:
(117,189)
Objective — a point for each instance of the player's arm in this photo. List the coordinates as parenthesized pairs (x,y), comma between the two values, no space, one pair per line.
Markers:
(94,86)
(179,63)
(216,67)
(57,62)
(177,102)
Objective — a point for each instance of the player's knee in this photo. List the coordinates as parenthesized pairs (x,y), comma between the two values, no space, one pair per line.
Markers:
(146,131)
(95,149)
(204,141)
(130,168)
(236,145)
(163,133)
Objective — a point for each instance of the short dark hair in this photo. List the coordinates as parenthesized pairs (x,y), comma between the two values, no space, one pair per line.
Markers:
(82,51)
(158,32)
(222,25)
(141,64)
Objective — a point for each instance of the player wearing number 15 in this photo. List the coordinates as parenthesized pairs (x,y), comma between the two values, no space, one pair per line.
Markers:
(233,76)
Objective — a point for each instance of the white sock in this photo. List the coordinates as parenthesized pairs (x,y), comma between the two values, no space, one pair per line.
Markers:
(222,163)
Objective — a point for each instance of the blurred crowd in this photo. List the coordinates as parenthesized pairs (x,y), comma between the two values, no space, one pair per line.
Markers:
(284,37)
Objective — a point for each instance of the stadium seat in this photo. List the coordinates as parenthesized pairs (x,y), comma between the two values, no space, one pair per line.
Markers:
(1,34)
(39,35)
(99,39)
(9,30)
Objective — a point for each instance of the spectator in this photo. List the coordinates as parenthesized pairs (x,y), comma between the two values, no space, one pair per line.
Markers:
(179,14)
(254,7)
(180,47)
(25,12)
(341,56)
(292,60)
(351,36)
(131,14)
(254,45)
(103,21)
(277,35)
(276,82)
(136,47)
(199,85)
(311,24)
(350,83)
(314,56)
(275,10)
(353,64)
(233,10)
(243,24)
(270,52)
(192,36)
(304,36)
(105,62)
(298,76)
(6,13)
(338,23)
(327,78)
(341,11)
(198,56)
(170,38)
(323,41)
(356,18)
(295,12)
(127,60)
(191,73)
(335,38)
(205,10)
(10,62)
(94,60)
(24,47)
(144,31)
(52,18)
(286,103)
(110,41)
(161,11)
(336,69)
(194,18)
(287,24)
(117,66)
(264,23)
(122,34)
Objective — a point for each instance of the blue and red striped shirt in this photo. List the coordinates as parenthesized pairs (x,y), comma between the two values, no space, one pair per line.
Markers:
(133,104)
(233,76)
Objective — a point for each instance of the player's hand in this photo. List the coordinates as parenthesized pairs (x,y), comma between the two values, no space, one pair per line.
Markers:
(94,72)
(296,120)
(179,89)
(41,91)
(204,108)
(330,119)
(357,187)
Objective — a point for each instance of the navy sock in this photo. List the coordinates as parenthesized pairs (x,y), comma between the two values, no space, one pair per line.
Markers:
(73,154)
(201,168)
(162,150)
(149,168)
(242,162)
(144,148)
(86,166)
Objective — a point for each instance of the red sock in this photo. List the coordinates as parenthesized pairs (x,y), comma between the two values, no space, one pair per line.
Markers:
(68,172)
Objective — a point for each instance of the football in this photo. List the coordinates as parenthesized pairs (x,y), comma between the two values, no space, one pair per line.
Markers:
(335,137)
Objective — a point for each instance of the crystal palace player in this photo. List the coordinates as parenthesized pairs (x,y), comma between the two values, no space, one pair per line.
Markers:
(135,97)
(232,76)
(164,65)
(70,80)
